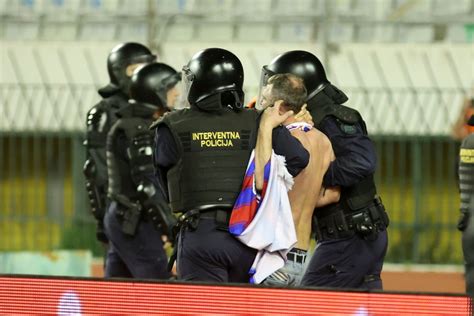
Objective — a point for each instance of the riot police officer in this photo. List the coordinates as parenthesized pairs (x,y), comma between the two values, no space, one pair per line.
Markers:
(351,234)
(138,215)
(203,152)
(466,188)
(121,62)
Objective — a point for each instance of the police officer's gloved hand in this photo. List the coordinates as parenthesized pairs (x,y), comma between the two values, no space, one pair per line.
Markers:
(100,233)
(463,221)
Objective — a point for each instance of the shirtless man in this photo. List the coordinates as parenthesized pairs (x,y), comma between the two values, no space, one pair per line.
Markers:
(283,96)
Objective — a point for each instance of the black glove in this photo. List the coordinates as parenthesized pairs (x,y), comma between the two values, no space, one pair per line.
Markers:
(162,218)
(156,209)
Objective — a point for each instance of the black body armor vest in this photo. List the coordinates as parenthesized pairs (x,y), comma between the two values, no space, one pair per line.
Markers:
(126,172)
(213,156)
(100,120)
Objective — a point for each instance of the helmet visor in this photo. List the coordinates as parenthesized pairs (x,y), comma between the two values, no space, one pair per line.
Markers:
(262,101)
(181,100)
(187,78)
(166,85)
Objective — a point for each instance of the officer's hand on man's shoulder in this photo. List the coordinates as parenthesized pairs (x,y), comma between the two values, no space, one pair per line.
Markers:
(273,116)
(304,116)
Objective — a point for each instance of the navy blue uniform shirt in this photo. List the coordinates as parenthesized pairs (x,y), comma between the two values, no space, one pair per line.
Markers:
(355,153)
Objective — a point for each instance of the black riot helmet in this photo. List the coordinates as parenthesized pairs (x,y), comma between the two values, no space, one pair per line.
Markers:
(150,84)
(122,56)
(214,74)
(302,64)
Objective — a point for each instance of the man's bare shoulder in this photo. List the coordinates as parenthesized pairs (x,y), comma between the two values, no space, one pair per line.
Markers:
(318,136)
(312,138)
(301,136)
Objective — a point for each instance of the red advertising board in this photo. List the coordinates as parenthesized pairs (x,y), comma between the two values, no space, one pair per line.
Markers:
(29,295)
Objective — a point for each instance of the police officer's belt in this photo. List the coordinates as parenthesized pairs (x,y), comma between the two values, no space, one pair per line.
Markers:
(297,255)
(335,222)
(221,214)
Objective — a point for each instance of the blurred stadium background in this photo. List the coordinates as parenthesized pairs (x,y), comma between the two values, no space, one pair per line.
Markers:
(406,65)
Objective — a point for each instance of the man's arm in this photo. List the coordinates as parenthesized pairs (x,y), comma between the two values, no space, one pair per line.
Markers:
(328,196)
(284,144)
(263,151)
(355,154)
(95,167)
(166,151)
(165,155)
(271,118)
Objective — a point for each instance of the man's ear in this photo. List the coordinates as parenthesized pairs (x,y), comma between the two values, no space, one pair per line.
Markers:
(283,107)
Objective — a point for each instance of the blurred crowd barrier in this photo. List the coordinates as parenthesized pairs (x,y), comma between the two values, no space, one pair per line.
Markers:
(420,21)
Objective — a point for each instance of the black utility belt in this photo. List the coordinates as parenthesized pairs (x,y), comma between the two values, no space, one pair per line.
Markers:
(191,218)
(340,223)
(221,216)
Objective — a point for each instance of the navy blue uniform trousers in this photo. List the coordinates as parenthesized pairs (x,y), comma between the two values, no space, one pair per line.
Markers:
(209,254)
(345,263)
(139,256)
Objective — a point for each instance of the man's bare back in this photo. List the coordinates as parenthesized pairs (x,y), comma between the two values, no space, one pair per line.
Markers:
(307,192)
(281,97)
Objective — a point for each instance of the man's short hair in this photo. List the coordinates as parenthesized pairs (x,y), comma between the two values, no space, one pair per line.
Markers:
(290,89)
